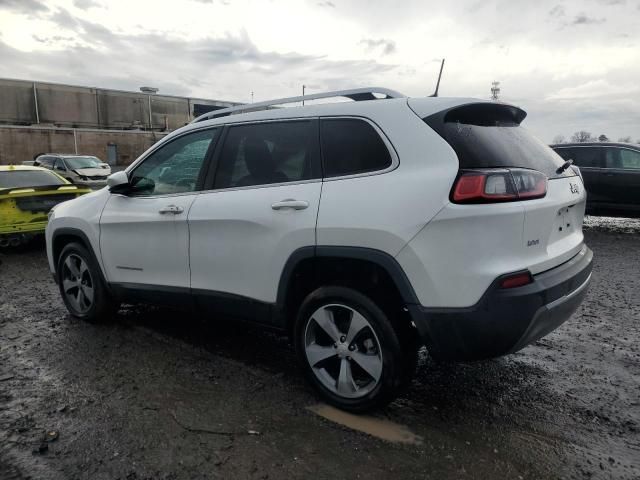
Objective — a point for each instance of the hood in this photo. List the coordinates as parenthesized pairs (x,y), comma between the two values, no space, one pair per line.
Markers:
(93,172)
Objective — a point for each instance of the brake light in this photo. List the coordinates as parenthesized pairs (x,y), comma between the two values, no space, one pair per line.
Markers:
(516,280)
(498,185)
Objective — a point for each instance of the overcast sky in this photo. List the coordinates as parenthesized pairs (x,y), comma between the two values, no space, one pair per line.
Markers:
(571,64)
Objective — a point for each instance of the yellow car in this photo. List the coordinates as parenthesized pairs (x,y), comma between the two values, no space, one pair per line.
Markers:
(26,196)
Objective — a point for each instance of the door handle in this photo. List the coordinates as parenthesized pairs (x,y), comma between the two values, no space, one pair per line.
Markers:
(290,203)
(171,209)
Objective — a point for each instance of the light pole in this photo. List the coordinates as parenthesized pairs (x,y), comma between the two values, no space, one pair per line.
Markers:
(149,91)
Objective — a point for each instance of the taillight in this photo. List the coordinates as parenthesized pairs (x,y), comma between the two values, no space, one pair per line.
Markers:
(498,185)
(516,280)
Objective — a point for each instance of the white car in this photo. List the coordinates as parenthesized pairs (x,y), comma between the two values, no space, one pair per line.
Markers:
(365,229)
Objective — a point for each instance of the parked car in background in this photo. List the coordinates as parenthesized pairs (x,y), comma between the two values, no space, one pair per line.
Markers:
(611,173)
(27,194)
(365,229)
(83,170)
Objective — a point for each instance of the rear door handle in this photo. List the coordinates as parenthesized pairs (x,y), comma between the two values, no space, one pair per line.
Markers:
(171,209)
(290,203)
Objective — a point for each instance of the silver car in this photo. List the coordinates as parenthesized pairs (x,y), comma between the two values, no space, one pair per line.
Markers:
(83,170)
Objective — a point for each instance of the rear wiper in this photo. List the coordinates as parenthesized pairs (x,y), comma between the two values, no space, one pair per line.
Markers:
(564,166)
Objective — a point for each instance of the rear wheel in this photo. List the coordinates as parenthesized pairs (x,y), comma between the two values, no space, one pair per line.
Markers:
(83,291)
(349,350)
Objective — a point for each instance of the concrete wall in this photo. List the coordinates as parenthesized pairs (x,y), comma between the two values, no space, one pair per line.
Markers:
(18,144)
(84,107)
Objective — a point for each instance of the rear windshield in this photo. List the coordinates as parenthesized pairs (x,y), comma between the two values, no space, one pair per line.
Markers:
(490,136)
(28,178)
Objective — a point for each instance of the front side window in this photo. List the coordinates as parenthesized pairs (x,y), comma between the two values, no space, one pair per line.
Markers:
(59,165)
(268,153)
(351,146)
(174,167)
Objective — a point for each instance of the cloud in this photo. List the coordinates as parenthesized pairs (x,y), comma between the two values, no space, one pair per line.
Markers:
(567,82)
(582,19)
(24,6)
(86,4)
(223,67)
(557,11)
(387,46)
(594,89)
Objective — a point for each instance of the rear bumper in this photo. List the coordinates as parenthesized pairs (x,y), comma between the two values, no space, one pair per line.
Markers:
(506,320)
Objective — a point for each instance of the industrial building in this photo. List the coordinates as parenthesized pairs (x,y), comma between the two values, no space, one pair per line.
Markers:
(114,125)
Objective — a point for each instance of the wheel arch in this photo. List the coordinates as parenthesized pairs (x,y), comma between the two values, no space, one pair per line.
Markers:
(366,270)
(62,237)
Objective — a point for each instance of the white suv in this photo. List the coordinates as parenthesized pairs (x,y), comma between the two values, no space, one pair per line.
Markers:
(365,229)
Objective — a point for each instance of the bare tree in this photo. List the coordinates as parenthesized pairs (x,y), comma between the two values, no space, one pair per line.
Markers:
(559,139)
(626,139)
(581,137)
(603,138)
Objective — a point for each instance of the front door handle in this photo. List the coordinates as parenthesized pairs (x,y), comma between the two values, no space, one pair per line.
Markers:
(290,203)
(171,209)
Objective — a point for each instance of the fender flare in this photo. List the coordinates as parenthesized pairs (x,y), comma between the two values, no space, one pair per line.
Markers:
(75,232)
(378,257)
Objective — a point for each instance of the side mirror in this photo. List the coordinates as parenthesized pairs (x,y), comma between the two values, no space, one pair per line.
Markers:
(118,182)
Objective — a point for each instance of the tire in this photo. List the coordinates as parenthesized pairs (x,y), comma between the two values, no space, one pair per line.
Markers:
(82,287)
(355,369)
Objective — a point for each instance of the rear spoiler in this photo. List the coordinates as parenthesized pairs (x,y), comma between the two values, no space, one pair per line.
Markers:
(483,114)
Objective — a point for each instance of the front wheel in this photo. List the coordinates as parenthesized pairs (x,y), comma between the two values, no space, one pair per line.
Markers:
(81,286)
(349,350)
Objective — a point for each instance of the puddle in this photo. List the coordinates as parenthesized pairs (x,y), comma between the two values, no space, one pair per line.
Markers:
(376,427)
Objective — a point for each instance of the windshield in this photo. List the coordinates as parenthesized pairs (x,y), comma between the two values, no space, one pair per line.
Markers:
(82,162)
(28,178)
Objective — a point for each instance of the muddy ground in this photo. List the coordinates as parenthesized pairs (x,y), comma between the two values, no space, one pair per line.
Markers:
(161,394)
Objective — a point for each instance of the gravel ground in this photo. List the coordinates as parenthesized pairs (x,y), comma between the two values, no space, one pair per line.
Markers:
(161,394)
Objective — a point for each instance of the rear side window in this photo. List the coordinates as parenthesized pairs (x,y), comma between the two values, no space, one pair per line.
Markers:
(267,153)
(590,157)
(488,135)
(46,162)
(351,146)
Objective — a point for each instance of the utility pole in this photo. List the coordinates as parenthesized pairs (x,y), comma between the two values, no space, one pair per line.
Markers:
(495,90)
(251,96)
(303,88)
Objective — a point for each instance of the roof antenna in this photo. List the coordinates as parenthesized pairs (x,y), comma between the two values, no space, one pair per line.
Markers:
(435,94)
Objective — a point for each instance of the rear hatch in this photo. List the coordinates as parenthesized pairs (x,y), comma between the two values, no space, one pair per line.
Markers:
(25,209)
(500,161)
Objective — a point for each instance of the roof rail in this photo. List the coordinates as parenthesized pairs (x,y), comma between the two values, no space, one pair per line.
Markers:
(356,94)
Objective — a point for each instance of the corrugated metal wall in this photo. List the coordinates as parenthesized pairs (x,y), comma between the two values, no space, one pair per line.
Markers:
(33,103)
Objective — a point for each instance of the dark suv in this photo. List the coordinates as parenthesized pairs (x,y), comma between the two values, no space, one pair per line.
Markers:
(611,174)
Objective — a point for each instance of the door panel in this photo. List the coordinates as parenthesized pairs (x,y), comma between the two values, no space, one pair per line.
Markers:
(241,239)
(143,246)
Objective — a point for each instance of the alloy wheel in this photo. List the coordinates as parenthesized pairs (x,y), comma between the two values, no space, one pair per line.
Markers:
(343,351)
(77,283)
